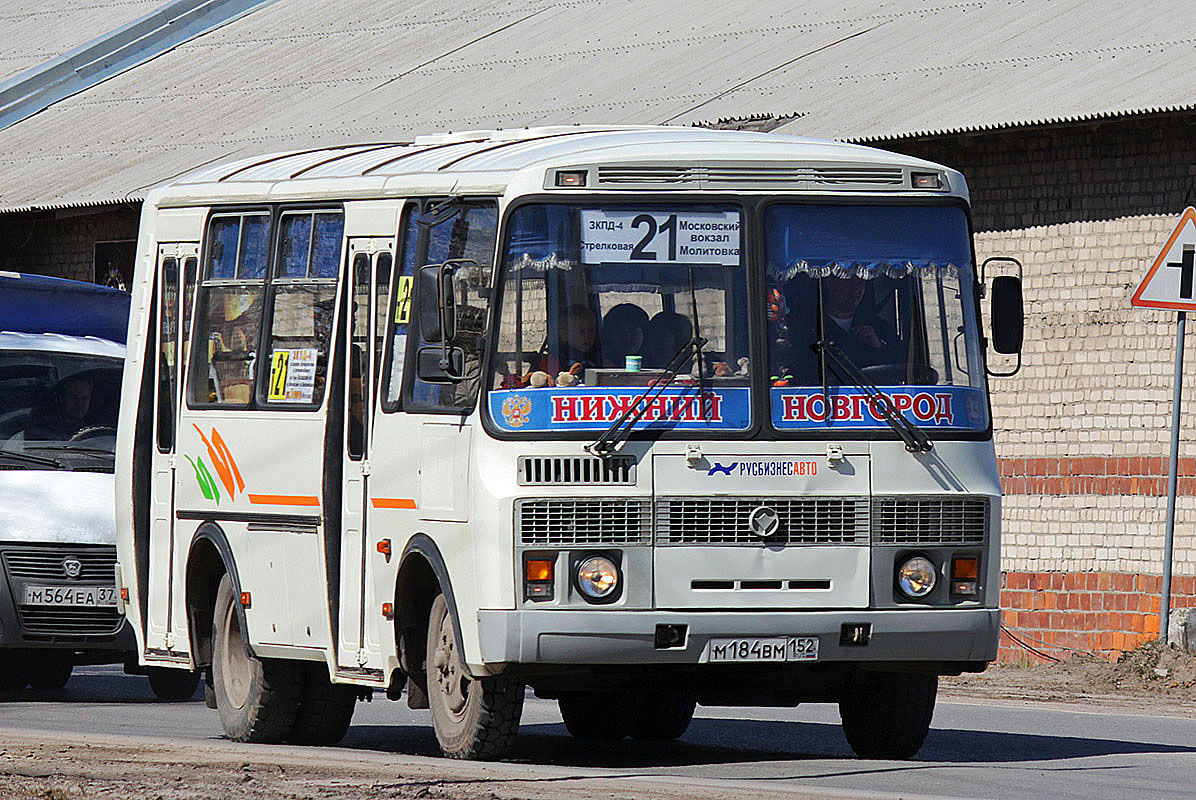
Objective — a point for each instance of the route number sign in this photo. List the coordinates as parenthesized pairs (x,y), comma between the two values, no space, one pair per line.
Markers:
(660,237)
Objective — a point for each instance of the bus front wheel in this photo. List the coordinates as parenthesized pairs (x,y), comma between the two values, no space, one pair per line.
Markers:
(258,699)
(887,715)
(472,718)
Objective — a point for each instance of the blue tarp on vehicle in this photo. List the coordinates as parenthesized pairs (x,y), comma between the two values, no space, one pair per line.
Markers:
(39,304)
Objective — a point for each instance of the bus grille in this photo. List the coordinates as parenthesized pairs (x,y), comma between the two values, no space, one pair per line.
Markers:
(43,563)
(803,521)
(575,471)
(929,520)
(589,521)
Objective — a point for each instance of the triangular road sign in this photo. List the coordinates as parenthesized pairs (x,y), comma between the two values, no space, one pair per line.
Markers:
(1171,280)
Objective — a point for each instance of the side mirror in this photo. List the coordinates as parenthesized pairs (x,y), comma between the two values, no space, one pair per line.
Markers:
(1008,318)
(440,365)
(436,303)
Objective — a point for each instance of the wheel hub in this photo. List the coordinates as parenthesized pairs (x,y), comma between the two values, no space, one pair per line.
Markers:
(450,680)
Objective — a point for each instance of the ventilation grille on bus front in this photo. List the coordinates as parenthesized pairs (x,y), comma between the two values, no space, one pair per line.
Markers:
(725,520)
(576,471)
(762,176)
(929,520)
(589,521)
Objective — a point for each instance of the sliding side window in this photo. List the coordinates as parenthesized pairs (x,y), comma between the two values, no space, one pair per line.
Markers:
(303,295)
(229,309)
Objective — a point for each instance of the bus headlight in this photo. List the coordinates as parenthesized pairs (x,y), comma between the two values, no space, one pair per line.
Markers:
(597,577)
(916,577)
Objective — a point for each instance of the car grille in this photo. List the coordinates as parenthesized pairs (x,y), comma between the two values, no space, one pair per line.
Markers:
(929,520)
(803,521)
(590,521)
(43,564)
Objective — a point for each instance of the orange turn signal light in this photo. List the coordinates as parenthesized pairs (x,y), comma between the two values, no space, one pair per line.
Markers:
(124,594)
(388,610)
(538,569)
(245,600)
(384,547)
(966,568)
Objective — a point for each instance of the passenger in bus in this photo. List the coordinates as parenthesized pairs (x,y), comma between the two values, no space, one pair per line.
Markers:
(623,330)
(854,326)
(576,345)
(66,415)
(667,332)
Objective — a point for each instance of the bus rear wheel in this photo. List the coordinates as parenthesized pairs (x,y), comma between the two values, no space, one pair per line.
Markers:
(597,715)
(472,717)
(325,708)
(663,716)
(886,714)
(257,699)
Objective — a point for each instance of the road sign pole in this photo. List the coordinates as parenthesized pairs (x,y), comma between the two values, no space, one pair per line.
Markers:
(1172,478)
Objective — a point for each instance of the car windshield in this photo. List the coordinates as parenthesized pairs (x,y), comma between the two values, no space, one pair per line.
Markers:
(890,288)
(596,302)
(58,406)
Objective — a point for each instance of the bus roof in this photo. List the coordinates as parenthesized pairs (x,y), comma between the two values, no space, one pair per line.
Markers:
(40,304)
(631,157)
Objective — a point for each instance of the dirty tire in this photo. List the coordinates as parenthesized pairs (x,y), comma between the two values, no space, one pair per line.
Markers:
(257,698)
(16,669)
(172,685)
(662,716)
(51,671)
(325,708)
(887,715)
(475,719)
(598,715)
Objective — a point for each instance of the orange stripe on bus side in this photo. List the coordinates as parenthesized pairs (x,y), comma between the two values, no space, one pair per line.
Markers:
(393,502)
(283,500)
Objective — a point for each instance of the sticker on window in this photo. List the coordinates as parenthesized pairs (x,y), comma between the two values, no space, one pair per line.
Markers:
(293,376)
(636,237)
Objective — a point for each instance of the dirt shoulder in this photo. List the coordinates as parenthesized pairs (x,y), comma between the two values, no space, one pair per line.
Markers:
(1154,680)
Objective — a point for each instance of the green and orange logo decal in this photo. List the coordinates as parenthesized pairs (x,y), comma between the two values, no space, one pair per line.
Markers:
(224,464)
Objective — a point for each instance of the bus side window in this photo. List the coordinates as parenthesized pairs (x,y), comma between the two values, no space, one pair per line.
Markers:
(302,296)
(168,330)
(401,314)
(468,235)
(229,309)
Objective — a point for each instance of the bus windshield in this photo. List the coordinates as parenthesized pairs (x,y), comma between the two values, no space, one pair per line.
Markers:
(890,289)
(596,302)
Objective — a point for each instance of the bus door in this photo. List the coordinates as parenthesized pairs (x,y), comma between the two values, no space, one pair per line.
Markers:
(370,262)
(176,273)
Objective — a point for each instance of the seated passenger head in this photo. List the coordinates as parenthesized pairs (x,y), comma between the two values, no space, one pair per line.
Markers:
(843,295)
(623,331)
(579,330)
(667,332)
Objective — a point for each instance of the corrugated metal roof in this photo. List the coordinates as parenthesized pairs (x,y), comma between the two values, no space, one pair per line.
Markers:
(34,33)
(295,74)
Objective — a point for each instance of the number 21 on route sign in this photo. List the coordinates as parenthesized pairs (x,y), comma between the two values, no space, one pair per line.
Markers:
(1171,280)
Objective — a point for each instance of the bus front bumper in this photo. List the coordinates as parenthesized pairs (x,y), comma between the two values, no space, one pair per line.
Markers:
(606,636)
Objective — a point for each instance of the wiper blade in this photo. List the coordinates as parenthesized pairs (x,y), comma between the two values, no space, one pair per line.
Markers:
(29,458)
(621,428)
(916,440)
(72,448)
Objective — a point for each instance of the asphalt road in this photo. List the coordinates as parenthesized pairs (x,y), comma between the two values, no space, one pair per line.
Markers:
(998,750)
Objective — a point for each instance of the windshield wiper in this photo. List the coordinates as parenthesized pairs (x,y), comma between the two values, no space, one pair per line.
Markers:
(617,432)
(916,440)
(71,448)
(29,458)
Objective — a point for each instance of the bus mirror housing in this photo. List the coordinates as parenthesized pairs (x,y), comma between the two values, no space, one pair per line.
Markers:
(1008,319)
(440,364)
(437,305)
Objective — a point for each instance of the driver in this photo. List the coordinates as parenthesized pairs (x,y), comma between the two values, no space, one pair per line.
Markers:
(864,337)
(68,414)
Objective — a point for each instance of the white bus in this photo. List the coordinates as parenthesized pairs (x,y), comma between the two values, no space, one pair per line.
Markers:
(635,417)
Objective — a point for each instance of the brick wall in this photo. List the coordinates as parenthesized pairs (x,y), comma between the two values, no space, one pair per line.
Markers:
(62,244)
(1083,430)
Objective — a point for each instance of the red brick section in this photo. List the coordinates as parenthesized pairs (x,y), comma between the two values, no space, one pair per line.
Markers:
(1104,613)
(1094,475)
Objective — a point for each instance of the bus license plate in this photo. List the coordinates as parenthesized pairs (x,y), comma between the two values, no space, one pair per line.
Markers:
(70,595)
(780,648)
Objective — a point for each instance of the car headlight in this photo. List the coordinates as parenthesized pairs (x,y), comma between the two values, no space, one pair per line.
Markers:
(916,577)
(597,577)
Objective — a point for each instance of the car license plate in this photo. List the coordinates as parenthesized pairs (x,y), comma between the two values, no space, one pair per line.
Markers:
(777,648)
(70,595)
